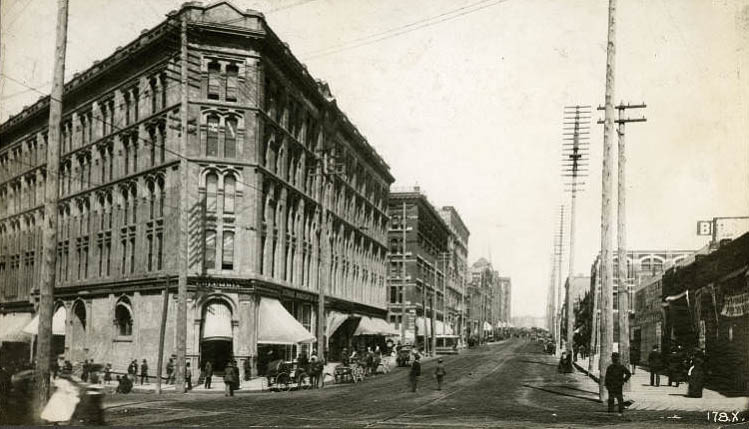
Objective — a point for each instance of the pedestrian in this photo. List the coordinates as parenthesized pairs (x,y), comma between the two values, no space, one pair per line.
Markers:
(247,369)
(108,373)
(85,370)
(229,379)
(414,373)
(55,368)
(170,371)
(696,377)
(208,374)
(188,376)
(674,366)
(440,373)
(655,364)
(616,375)
(143,372)
(634,358)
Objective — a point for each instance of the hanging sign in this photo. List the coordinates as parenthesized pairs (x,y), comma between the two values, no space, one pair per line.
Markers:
(735,305)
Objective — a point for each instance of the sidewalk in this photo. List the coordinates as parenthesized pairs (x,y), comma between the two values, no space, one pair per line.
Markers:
(647,397)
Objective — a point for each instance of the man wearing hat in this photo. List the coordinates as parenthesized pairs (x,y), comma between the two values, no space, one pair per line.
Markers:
(616,375)
(439,373)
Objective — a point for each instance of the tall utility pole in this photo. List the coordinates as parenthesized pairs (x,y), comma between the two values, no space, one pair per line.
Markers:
(181,329)
(607,310)
(162,333)
(329,168)
(51,192)
(559,253)
(402,297)
(574,166)
(595,343)
(621,230)
(550,290)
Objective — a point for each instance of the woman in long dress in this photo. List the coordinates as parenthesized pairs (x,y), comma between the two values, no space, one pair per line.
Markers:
(62,404)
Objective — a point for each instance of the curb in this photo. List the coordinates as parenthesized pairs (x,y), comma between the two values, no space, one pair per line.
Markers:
(585,371)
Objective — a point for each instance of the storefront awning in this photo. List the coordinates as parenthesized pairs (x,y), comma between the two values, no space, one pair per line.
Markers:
(334,321)
(216,322)
(487,326)
(11,327)
(58,323)
(373,326)
(278,326)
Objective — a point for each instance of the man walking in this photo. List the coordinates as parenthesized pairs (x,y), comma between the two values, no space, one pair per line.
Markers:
(229,379)
(170,371)
(616,375)
(143,372)
(188,376)
(414,373)
(440,373)
(655,363)
(208,374)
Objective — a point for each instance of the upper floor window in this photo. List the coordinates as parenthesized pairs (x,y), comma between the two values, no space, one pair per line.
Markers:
(214,72)
(230,185)
(232,74)
(230,138)
(211,142)
(211,190)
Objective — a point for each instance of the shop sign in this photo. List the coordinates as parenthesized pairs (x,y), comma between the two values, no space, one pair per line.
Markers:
(735,305)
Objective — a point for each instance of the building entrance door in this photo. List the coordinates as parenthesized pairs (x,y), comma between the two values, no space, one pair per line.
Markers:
(218,352)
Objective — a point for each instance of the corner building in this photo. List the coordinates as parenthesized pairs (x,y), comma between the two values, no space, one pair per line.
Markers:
(258,236)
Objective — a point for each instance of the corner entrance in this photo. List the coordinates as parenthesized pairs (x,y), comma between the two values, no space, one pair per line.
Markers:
(216,339)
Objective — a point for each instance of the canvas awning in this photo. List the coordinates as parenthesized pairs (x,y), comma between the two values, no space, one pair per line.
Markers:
(439,327)
(11,327)
(58,323)
(487,326)
(278,326)
(373,326)
(216,321)
(334,321)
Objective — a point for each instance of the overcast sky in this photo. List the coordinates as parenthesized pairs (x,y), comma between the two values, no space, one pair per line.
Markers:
(465,99)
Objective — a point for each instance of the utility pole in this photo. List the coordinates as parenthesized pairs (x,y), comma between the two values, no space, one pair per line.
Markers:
(559,252)
(621,231)
(404,227)
(51,193)
(607,310)
(329,168)
(162,333)
(181,329)
(595,343)
(574,165)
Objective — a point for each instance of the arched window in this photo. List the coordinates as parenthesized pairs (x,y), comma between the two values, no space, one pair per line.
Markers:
(211,139)
(79,310)
(230,185)
(230,138)
(151,200)
(123,318)
(134,195)
(227,262)
(125,206)
(211,185)
(160,183)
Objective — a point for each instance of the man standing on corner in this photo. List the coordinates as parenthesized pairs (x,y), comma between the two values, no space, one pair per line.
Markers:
(655,363)
(616,375)
(414,373)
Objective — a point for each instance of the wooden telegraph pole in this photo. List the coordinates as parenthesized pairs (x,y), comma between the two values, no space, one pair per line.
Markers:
(162,333)
(559,252)
(51,192)
(621,230)
(181,329)
(574,166)
(607,310)
(404,217)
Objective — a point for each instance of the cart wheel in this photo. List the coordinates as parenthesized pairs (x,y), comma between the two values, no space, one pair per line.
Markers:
(283,381)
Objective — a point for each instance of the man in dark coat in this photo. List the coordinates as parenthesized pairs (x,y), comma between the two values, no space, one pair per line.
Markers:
(170,371)
(655,363)
(230,378)
(696,377)
(674,366)
(143,372)
(208,374)
(616,375)
(414,373)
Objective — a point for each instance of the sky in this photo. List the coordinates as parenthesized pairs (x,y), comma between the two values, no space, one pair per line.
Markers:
(465,98)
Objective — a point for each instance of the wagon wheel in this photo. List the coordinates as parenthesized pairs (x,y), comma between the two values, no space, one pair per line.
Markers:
(283,381)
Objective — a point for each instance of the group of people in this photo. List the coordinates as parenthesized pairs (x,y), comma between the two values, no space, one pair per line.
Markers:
(132,371)
(679,366)
(369,360)
(415,372)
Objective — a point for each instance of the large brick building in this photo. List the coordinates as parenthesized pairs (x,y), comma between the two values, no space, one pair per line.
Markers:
(258,125)
(418,239)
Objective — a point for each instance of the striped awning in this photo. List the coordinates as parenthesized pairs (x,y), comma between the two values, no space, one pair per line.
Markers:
(58,323)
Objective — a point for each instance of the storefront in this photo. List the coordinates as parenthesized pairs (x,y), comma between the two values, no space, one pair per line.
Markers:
(15,345)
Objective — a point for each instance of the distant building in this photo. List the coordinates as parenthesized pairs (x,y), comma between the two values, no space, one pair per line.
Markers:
(457,271)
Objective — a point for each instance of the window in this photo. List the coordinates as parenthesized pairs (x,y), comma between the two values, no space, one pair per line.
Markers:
(160,182)
(154,95)
(228,251)
(132,254)
(154,140)
(211,187)
(128,107)
(210,249)
(229,191)
(126,149)
(230,138)
(123,318)
(151,200)
(211,141)
(214,69)
(159,250)
(232,72)
(149,263)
